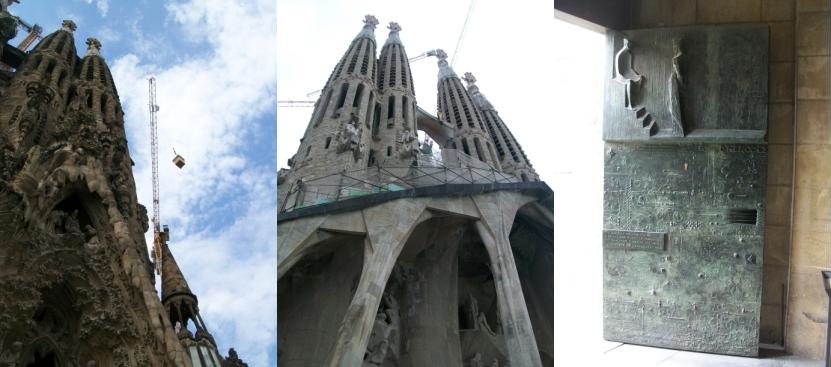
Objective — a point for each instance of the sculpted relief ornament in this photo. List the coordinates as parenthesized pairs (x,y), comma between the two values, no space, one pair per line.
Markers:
(632,80)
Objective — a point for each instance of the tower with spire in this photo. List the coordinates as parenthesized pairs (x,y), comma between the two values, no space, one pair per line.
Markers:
(456,107)
(77,285)
(511,157)
(395,142)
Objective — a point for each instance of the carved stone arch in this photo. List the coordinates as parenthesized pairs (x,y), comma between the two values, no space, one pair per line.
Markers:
(42,352)
(90,208)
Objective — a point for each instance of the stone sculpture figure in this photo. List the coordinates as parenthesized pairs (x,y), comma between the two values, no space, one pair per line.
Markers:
(376,349)
(625,73)
(394,315)
(675,83)
(476,361)
(350,137)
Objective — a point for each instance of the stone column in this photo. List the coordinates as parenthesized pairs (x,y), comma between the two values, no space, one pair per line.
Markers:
(432,330)
(498,211)
(388,227)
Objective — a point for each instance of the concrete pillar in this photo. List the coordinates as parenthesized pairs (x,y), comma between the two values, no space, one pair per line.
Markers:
(432,330)
(388,227)
(498,211)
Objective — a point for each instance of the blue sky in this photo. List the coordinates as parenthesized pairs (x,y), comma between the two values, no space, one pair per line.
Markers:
(214,61)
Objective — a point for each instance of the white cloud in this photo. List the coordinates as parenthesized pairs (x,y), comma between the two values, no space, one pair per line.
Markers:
(102,5)
(107,34)
(221,205)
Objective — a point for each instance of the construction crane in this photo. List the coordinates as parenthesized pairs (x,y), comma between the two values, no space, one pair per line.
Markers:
(289,103)
(159,236)
(35,32)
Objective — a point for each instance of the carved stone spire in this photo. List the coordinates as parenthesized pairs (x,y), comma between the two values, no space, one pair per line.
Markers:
(369,27)
(93,47)
(393,37)
(511,157)
(68,25)
(445,71)
(478,98)
(456,107)
(173,281)
(5,4)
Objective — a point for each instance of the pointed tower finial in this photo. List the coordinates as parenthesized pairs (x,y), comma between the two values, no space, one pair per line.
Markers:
(93,47)
(445,71)
(469,79)
(68,25)
(5,4)
(369,27)
(393,37)
(370,21)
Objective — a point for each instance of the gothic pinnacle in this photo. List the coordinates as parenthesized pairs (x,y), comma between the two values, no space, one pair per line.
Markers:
(69,26)
(369,27)
(93,47)
(445,71)
(393,37)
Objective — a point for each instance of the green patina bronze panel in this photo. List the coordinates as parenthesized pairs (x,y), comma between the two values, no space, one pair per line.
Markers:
(683,241)
(685,119)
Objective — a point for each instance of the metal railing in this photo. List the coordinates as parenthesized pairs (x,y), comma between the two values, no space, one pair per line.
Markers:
(376,180)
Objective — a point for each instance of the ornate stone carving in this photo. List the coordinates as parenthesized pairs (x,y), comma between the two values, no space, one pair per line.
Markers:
(675,83)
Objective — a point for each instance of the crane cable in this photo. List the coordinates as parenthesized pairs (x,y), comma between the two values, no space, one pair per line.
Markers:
(462,33)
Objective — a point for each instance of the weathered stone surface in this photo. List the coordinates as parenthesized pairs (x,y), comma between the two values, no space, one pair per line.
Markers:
(813,77)
(781,41)
(781,87)
(813,124)
(778,9)
(780,164)
(659,13)
(814,30)
(728,11)
(780,123)
(804,6)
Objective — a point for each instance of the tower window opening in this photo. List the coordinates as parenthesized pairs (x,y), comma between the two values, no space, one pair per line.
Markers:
(405,106)
(490,150)
(465,147)
(369,105)
(104,104)
(390,107)
(524,177)
(479,150)
(102,74)
(341,98)
(323,108)
(49,68)
(61,44)
(403,61)
(62,78)
(358,94)
(328,141)
(89,98)
(371,161)
(389,151)
(308,150)
(376,119)
(393,79)
(89,70)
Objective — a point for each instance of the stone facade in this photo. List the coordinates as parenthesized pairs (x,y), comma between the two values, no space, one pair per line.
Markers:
(76,285)
(396,260)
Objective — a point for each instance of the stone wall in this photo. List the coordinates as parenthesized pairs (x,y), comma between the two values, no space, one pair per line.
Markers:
(811,237)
